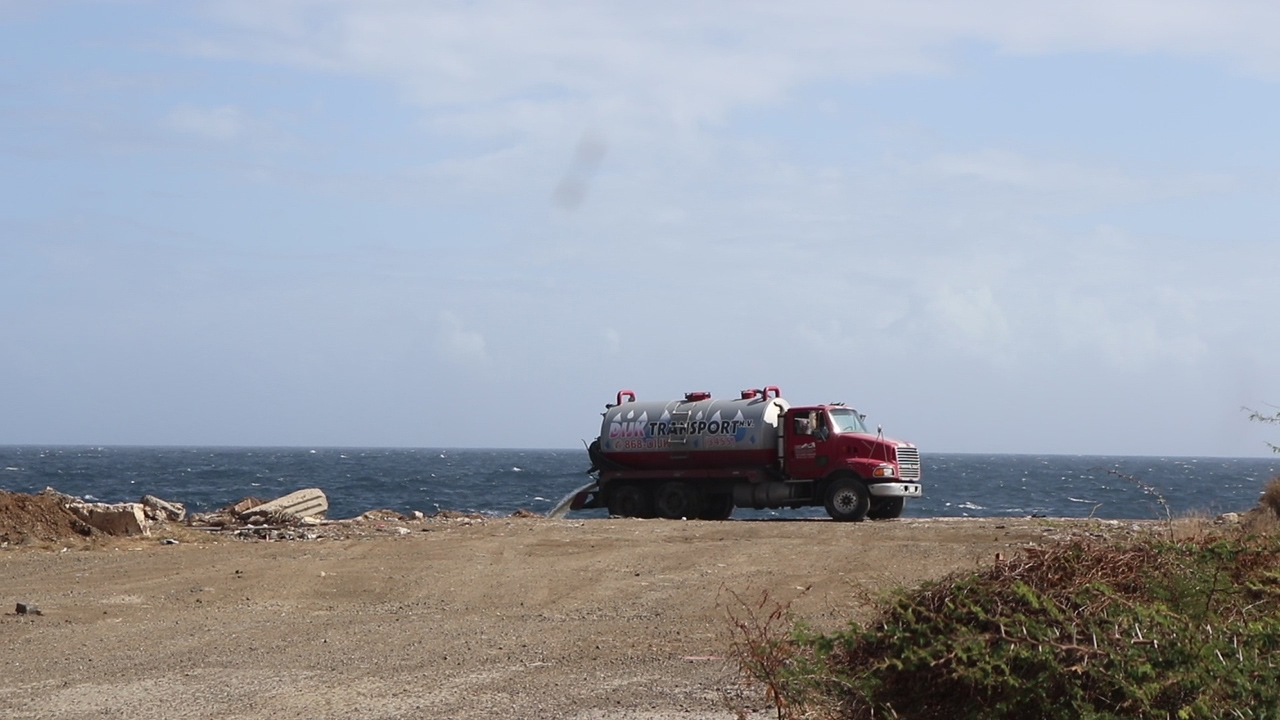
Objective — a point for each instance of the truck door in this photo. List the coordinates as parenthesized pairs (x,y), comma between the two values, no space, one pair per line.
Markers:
(807,447)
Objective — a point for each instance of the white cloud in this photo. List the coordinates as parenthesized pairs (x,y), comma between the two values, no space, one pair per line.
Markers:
(971,319)
(688,63)
(519,82)
(223,124)
(612,341)
(1125,337)
(1077,182)
(459,345)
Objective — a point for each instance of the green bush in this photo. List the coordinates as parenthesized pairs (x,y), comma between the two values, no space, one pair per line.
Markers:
(1156,629)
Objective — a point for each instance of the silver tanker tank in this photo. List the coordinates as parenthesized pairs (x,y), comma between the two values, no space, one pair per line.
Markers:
(696,432)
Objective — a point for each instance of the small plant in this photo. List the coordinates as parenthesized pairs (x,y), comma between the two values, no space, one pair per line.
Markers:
(765,644)
(1150,490)
(1256,416)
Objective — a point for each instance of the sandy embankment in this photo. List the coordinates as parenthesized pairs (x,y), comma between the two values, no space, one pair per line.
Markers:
(510,618)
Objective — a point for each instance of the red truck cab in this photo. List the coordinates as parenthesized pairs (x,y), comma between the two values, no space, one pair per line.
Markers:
(823,442)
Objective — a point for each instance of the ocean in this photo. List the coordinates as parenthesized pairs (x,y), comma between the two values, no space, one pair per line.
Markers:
(499,482)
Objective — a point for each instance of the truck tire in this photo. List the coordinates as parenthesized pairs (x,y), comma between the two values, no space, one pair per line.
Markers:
(630,501)
(848,499)
(885,508)
(676,500)
(717,506)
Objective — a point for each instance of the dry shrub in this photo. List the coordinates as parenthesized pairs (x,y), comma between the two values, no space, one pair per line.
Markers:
(1259,521)
(1271,496)
(765,644)
(1195,525)
(1264,519)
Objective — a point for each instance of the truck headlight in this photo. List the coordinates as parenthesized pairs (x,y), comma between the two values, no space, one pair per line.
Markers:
(884,471)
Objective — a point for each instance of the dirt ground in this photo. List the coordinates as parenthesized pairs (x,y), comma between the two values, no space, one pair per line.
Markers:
(36,518)
(516,617)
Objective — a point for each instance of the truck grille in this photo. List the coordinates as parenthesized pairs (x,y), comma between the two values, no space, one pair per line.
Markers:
(908,463)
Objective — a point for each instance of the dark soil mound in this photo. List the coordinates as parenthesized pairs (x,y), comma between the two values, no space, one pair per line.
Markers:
(37,518)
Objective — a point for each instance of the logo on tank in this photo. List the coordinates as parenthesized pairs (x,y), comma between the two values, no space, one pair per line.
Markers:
(630,426)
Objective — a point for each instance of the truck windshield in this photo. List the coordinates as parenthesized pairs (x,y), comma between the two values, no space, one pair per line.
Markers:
(847,420)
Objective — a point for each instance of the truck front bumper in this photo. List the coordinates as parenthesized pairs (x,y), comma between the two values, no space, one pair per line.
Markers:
(896,489)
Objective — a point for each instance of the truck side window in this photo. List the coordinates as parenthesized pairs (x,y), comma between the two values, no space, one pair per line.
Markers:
(818,423)
(803,426)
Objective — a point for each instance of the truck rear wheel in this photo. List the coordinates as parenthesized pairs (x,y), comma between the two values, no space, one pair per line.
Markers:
(630,501)
(676,500)
(717,506)
(848,499)
(885,508)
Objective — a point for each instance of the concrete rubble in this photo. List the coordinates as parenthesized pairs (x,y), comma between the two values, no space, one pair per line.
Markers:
(117,519)
(308,503)
(299,515)
(157,509)
(110,518)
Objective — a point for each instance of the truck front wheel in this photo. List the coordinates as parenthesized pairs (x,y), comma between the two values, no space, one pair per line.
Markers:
(630,501)
(848,499)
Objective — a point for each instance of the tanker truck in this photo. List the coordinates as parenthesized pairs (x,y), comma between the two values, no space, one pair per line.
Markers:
(700,457)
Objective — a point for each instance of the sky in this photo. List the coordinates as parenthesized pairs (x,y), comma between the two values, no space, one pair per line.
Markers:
(992,226)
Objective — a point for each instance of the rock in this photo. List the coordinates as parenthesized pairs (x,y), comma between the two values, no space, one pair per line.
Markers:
(118,519)
(381,515)
(28,609)
(1228,519)
(213,519)
(65,498)
(302,503)
(456,515)
(163,509)
(243,506)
